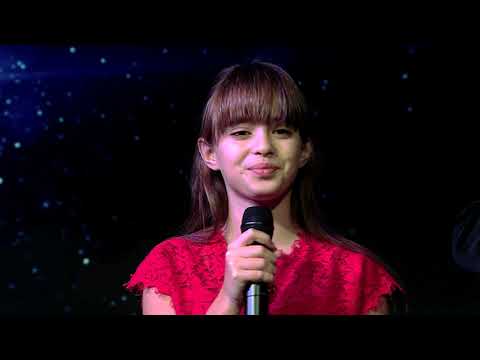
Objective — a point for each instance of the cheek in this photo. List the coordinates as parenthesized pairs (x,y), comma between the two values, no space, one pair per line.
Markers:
(292,161)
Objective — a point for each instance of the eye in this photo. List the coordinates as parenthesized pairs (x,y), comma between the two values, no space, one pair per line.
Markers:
(283,131)
(240,133)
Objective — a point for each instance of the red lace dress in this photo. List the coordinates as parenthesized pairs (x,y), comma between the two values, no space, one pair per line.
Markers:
(316,277)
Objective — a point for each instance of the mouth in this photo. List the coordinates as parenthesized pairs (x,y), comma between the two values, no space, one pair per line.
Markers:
(264,171)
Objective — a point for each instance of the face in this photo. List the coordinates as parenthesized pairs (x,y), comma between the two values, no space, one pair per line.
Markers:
(258,163)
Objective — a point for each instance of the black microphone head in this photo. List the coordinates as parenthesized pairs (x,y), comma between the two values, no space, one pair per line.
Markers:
(258,217)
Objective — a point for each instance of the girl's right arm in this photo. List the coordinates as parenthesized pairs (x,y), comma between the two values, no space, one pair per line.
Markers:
(244,262)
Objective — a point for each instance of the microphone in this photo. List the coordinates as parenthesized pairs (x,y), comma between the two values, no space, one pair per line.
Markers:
(259,218)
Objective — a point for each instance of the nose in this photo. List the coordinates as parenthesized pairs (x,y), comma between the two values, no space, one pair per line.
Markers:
(262,142)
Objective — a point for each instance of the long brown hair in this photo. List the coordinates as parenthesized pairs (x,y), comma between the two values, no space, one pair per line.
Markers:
(257,92)
(262,93)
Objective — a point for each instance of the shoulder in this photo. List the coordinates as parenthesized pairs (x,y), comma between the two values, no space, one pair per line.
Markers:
(170,246)
(363,271)
(341,251)
(181,244)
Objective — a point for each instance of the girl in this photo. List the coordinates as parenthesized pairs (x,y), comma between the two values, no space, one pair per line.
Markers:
(255,149)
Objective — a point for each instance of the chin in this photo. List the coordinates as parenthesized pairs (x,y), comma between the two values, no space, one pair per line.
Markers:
(270,195)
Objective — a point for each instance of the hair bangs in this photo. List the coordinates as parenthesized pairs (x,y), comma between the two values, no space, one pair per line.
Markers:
(250,94)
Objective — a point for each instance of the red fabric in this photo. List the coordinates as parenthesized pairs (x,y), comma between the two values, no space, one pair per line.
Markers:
(317,277)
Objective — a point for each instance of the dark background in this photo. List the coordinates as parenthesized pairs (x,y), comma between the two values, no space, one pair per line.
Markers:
(96,142)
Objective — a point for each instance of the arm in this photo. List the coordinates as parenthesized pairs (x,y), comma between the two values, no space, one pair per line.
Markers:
(382,307)
(223,306)
(155,303)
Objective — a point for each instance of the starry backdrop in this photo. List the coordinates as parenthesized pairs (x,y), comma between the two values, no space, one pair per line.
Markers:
(96,142)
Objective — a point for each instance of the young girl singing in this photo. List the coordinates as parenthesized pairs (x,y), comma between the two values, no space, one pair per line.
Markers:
(255,149)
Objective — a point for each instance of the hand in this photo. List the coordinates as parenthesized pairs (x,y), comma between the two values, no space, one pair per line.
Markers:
(245,263)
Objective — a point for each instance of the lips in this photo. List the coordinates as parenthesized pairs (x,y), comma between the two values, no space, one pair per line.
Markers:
(263,167)
(264,171)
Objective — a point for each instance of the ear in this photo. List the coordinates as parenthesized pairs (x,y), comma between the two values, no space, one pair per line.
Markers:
(207,153)
(307,152)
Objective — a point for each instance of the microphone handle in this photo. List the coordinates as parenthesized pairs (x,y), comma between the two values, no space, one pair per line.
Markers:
(257,299)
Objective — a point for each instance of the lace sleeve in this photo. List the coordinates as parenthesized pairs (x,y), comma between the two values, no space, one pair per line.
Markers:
(155,271)
(379,285)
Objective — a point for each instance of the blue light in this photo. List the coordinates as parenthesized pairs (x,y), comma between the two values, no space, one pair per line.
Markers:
(39,112)
(12,285)
(128,76)
(80,252)
(165,51)
(17,145)
(1,180)
(34,270)
(60,119)
(86,261)
(103,60)
(404,76)
(72,50)
(45,204)
(8,101)
(124,298)
(21,65)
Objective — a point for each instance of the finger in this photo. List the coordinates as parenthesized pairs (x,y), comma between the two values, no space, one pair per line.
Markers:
(255,264)
(255,276)
(253,235)
(255,251)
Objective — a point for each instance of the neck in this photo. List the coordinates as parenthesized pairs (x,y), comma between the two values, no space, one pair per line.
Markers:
(284,229)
